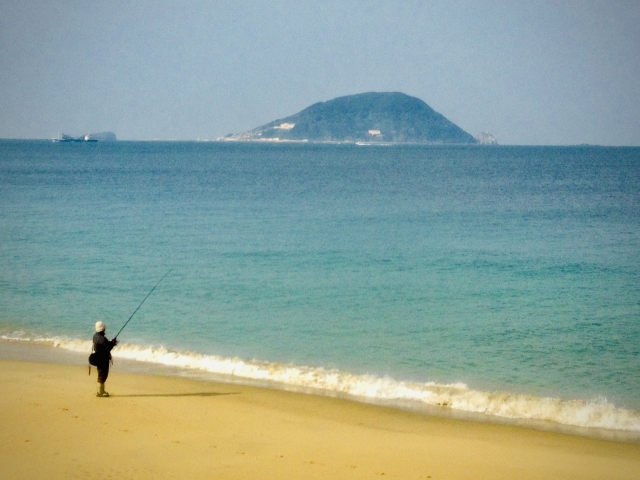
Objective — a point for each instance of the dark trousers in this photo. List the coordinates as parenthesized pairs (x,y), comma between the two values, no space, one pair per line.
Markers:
(103,373)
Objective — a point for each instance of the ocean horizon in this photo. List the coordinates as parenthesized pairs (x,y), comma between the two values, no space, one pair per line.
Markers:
(500,281)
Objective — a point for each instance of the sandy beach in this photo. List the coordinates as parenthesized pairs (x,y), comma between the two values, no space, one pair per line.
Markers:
(165,427)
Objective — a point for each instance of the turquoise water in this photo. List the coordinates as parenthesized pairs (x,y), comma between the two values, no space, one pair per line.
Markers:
(507,269)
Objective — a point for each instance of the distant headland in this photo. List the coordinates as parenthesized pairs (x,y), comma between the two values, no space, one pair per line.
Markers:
(373,117)
(90,137)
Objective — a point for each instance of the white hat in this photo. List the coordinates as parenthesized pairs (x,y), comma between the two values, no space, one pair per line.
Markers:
(100,327)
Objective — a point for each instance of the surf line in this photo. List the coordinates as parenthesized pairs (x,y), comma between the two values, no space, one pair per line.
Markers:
(145,299)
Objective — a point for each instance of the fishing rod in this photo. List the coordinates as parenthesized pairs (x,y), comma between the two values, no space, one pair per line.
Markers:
(145,298)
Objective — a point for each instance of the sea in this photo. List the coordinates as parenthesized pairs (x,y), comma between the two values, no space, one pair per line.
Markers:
(497,283)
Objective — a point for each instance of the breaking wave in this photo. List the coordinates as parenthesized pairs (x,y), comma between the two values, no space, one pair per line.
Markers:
(458,396)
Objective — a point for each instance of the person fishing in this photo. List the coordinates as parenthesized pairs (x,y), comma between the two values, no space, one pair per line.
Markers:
(102,356)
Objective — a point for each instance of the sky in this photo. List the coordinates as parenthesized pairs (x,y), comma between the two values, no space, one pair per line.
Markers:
(528,72)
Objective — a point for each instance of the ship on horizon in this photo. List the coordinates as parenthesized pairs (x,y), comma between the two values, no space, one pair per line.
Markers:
(69,138)
(90,137)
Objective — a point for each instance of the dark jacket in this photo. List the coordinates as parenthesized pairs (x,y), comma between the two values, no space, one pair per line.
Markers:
(102,347)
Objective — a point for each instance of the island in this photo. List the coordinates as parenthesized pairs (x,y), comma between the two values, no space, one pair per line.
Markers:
(365,118)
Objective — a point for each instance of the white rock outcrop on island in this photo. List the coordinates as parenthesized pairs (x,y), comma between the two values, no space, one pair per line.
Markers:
(485,138)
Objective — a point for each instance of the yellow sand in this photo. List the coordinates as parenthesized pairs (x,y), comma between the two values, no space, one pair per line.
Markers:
(52,426)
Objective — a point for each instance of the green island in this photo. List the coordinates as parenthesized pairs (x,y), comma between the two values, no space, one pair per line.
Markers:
(373,117)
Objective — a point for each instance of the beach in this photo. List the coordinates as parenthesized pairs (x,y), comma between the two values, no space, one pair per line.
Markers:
(166,427)
(330,311)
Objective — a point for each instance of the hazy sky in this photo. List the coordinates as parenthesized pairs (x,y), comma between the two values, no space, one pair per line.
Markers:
(529,72)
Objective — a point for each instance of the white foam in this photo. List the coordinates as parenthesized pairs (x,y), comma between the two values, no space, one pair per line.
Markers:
(594,414)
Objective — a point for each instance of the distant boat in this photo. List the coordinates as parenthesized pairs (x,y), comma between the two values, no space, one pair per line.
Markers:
(90,137)
(68,138)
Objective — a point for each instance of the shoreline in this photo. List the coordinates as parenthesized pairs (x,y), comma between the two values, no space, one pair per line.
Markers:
(168,427)
(50,352)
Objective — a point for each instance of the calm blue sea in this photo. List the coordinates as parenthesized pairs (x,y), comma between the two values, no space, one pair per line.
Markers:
(501,280)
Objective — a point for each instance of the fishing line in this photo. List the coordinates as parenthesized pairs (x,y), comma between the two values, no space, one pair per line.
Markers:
(145,298)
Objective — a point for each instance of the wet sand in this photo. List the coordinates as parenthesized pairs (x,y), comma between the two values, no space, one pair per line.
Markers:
(53,426)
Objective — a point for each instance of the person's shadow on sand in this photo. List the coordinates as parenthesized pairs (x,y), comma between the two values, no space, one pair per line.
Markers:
(195,394)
